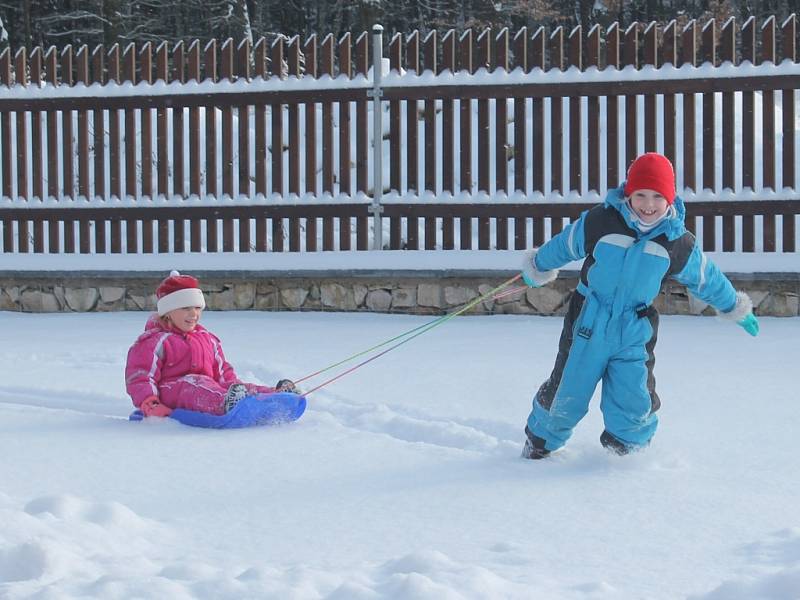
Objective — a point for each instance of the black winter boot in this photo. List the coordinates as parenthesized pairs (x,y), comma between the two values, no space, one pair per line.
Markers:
(286,385)
(235,393)
(534,447)
(613,444)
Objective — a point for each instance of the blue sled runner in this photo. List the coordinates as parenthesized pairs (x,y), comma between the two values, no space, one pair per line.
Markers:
(251,411)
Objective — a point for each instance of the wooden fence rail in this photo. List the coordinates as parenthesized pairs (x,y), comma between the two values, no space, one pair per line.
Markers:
(491,139)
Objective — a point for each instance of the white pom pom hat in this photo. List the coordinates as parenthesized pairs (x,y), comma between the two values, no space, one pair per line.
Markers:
(178,291)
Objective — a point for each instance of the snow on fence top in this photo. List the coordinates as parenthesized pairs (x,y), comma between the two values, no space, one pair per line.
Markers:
(488,140)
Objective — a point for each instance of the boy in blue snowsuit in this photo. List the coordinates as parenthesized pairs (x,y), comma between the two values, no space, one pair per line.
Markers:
(631,243)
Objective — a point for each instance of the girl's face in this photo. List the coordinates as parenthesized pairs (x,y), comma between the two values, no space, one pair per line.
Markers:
(186,318)
(648,205)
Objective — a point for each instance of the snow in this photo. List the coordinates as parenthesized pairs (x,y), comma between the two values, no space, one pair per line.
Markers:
(467,262)
(403,480)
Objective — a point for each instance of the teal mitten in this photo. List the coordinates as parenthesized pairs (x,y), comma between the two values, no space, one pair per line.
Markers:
(749,324)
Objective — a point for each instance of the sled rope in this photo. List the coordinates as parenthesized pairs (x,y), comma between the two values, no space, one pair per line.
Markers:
(411,334)
(424,326)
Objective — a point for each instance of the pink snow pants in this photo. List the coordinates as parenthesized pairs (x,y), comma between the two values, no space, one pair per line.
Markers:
(201,393)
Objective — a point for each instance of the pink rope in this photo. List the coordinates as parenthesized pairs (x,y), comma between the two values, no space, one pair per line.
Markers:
(501,294)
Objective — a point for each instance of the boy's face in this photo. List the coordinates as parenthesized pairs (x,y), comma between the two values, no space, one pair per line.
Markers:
(648,205)
(186,318)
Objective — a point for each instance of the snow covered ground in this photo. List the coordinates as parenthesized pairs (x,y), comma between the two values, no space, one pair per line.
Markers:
(403,480)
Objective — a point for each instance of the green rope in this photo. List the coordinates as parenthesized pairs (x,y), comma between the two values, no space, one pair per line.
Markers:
(419,330)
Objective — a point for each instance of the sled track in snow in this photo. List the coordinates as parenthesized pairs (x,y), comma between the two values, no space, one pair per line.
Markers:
(475,435)
(486,437)
(73,401)
(406,425)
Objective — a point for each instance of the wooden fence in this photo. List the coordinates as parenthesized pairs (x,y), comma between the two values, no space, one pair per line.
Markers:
(233,148)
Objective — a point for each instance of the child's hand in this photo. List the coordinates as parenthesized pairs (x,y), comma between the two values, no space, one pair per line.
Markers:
(749,324)
(742,314)
(531,274)
(151,407)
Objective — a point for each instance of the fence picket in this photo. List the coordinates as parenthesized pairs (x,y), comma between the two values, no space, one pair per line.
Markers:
(5,124)
(114,158)
(395,133)
(193,73)
(146,117)
(613,60)
(448,138)
(727,53)
(429,119)
(345,181)
(689,57)
(483,60)
(145,58)
(788,98)
(669,56)
(650,58)
(362,140)
(537,61)
(51,76)
(178,120)
(212,182)
(98,129)
(276,124)
(520,138)
(82,77)
(326,69)
(293,62)
(768,54)
(242,71)
(226,74)
(500,62)
(630,57)
(557,124)
(66,129)
(162,155)
(748,34)
(593,112)
(20,77)
(68,173)
(261,165)
(37,170)
(557,115)
(709,37)
(36,151)
(310,52)
(575,152)
(466,63)
(412,140)
(162,132)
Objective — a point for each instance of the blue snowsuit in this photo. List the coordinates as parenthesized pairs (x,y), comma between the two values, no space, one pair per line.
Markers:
(611,326)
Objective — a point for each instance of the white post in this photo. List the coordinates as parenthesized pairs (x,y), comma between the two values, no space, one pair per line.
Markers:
(377,137)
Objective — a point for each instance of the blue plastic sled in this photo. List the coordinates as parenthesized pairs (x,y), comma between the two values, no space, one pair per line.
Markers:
(251,411)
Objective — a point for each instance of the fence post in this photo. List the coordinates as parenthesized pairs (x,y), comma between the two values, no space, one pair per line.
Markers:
(377,136)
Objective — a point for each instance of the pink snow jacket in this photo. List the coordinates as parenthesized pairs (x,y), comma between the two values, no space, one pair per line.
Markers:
(182,370)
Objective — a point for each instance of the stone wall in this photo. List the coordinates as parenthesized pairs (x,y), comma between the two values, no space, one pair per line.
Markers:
(396,292)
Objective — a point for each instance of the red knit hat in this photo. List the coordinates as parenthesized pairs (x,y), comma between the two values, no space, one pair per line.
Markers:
(178,291)
(652,171)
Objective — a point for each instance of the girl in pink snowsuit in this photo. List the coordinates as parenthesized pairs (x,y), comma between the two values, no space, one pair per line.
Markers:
(177,363)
